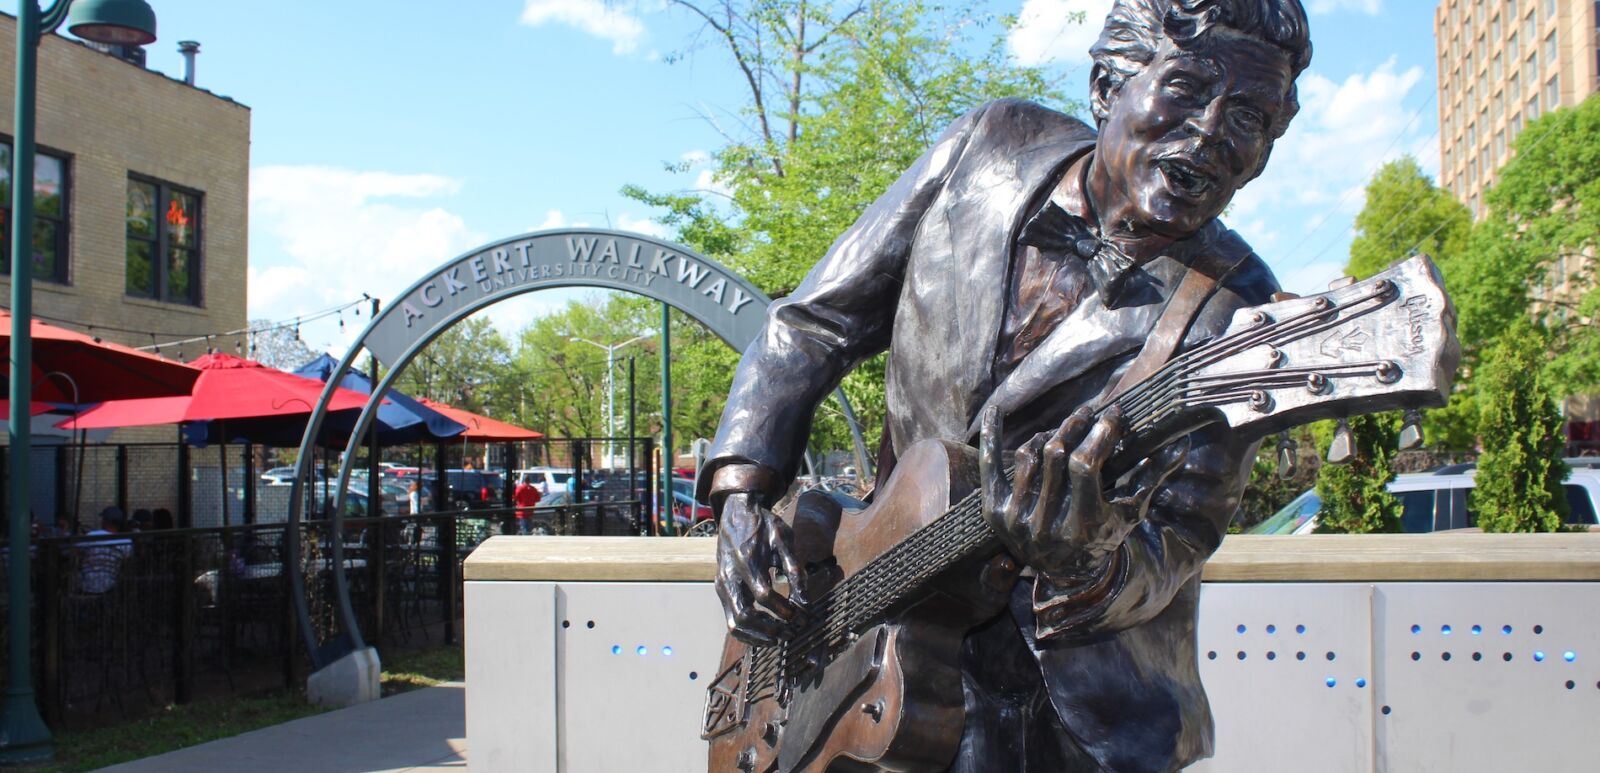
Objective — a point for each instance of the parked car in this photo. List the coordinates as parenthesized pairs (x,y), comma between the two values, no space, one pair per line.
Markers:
(284,475)
(549,480)
(685,510)
(469,489)
(1437,501)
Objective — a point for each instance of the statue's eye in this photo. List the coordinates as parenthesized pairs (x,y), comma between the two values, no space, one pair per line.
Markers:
(1249,119)
(1183,86)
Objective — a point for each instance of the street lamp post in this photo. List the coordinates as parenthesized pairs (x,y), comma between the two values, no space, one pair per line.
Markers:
(23,734)
(611,387)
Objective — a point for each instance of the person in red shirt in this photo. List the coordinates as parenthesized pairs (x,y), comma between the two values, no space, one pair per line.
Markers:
(525,496)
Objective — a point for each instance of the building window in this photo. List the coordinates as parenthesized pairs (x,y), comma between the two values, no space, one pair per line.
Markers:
(1513,90)
(1499,145)
(1550,50)
(1494,28)
(1511,47)
(1552,92)
(1496,70)
(164,256)
(1530,30)
(1498,104)
(1549,9)
(1516,125)
(1533,106)
(1530,70)
(50,215)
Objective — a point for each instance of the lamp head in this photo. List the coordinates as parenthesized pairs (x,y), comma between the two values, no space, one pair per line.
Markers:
(114,22)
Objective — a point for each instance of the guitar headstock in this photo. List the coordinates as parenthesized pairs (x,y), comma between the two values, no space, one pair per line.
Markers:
(1384,343)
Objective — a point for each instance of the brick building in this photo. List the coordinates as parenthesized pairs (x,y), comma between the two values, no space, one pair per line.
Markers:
(142,185)
(1503,63)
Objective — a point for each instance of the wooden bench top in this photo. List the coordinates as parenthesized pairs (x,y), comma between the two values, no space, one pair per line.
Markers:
(1465,556)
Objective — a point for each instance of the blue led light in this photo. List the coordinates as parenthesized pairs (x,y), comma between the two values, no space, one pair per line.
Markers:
(1445,629)
(1272,628)
(1299,629)
(1538,656)
(616,649)
(1505,629)
(1416,628)
(1361,682)
(1569,656)
(642,650)
(1477,629)
(1240,629)
(667,650)
(1332,681)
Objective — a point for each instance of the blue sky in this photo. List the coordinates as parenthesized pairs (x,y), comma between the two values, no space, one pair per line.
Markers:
(388,137)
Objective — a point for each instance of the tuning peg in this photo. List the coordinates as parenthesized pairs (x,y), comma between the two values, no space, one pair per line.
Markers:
(1283,296)
(1343,448)
(1343,281)
(1288,457)
(1411,430)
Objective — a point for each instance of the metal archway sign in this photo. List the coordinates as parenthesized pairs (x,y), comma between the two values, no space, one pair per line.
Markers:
(708,292)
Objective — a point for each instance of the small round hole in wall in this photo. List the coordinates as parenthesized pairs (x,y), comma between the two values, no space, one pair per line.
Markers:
(1445,656)
(1506,657)
(1330,656)
(1361,682)
(1272,628)
(1416,629)
(1212,655)
(1416,656)
(1241,654)
(1299,656)
(1272,655)
(1571,684)
(1505,629)
(1330,681)
(1477,656)
(589,624)
(1538,629)
(1477,629)
(1445,629)
(566,623)
(1300,629)
(1240,628)
(1385,710)
(693,675)
(616,649)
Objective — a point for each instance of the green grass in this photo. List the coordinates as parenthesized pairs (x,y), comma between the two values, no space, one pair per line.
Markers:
(175,727)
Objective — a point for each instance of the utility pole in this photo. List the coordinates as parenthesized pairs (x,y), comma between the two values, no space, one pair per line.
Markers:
(611,392)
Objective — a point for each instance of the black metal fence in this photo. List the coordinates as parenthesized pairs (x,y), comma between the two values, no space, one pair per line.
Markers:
(139,620)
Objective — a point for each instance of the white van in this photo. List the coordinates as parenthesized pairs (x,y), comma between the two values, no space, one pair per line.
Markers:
(1437,501)
(549,480)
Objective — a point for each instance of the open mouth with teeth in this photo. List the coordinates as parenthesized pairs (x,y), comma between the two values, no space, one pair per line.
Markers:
(1185,178)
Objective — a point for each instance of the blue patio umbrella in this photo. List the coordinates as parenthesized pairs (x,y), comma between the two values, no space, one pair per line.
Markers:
(400,420)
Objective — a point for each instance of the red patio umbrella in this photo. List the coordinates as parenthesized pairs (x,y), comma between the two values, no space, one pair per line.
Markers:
(481,429)
(229,387)
(70,367)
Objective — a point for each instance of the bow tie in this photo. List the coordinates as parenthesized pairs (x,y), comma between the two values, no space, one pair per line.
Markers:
(1054,229)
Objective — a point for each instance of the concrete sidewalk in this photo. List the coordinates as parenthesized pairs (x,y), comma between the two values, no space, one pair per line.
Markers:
(419,730)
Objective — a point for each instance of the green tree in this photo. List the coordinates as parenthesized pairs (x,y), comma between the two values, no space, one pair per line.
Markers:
(840,100)
(1406,212)
(1520,473)
(469,367)
(1354,496)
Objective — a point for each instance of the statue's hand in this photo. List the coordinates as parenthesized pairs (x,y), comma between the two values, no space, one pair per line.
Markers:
(752,545)
(1055,515)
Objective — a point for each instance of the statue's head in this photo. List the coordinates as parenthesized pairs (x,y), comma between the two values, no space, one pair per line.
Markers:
(1189,96)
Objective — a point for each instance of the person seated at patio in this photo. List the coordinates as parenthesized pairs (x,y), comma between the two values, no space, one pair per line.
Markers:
(525,496)
(163,518)
(101,559)
(142,520)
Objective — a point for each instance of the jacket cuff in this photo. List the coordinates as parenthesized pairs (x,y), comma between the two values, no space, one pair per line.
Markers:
(1061,605)
(744,478)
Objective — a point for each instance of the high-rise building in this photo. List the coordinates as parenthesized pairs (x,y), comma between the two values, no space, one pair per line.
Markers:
(1503,63)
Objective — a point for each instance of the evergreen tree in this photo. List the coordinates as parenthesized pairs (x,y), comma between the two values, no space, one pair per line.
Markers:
(1354,496)
(1520,473)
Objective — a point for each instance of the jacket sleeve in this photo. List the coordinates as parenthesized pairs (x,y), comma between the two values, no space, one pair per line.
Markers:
(840,315)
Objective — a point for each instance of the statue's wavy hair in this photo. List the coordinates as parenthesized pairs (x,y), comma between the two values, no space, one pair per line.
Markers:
(1135,28)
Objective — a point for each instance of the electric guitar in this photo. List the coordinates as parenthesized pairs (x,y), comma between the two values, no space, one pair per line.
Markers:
(869,680)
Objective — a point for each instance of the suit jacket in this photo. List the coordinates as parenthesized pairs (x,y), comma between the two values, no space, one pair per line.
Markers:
(924,273)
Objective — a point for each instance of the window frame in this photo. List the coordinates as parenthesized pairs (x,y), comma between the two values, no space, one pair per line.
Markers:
(63,222)
(160,244)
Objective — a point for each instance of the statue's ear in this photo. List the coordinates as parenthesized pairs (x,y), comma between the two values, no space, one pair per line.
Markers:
(1103,88)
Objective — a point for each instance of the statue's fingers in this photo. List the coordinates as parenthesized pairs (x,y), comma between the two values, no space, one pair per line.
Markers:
(1025,486)
(1089,458)
(991,470)
(781,539)
(1148,477)
(1052,484)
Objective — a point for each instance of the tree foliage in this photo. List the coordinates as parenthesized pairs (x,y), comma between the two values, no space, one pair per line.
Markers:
(1405,212)
(466,367)
(1354,496)
(840,99)
(1518,486)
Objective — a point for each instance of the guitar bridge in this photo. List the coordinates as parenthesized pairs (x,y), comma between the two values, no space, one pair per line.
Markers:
(725,700)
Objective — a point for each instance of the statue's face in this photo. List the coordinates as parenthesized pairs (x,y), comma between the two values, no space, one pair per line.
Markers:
(1181,137)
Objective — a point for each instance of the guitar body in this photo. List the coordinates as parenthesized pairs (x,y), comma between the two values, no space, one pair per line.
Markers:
(893,699)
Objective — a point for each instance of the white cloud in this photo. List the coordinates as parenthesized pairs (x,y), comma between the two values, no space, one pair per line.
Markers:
(321,236)
(1368,7)
(555,218)
(705,179)
(1313,185)
(1050,31)
(595,17)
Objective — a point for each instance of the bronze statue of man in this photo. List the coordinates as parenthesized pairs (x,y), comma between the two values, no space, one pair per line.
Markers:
(1013,274)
